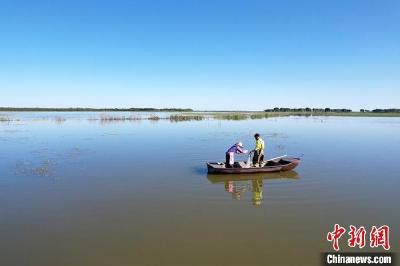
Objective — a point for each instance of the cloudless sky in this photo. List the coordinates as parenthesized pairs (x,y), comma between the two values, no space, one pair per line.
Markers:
(216,55)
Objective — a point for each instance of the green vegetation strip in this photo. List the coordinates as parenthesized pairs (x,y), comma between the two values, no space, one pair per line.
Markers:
(4,119)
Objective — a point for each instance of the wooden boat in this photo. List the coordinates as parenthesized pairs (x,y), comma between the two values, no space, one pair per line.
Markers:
(270,166)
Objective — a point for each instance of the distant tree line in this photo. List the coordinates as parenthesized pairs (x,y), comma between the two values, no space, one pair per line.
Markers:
(390,110)
(317,110)
(320,110)
(36,109)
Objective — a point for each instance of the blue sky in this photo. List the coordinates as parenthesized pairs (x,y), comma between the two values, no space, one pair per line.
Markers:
(231,55)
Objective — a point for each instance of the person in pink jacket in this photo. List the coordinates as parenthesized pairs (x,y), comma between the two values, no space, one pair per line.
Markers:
(230,154)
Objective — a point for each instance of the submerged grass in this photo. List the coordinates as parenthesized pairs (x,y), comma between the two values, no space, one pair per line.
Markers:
(231,116)
(179,118)
(106,118)
(60,119)
(235,116)
(28,167)
(154,118)
(244,116)
(4,119)
(262,115)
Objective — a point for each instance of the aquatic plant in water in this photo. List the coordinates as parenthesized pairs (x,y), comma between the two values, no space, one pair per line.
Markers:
(231,116)
(178,118)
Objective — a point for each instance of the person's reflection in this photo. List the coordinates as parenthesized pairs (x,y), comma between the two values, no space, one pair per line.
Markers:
(238,185)
(257,189)
(237,189)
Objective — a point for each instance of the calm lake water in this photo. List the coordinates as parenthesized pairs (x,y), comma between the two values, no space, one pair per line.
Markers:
(82,192)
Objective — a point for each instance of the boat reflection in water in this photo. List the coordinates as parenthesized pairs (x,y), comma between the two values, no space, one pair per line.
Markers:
(238,185)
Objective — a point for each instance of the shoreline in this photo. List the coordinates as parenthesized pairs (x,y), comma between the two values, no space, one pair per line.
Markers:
(113,116)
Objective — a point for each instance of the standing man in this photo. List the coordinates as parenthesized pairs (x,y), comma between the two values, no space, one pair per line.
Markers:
(258,156)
